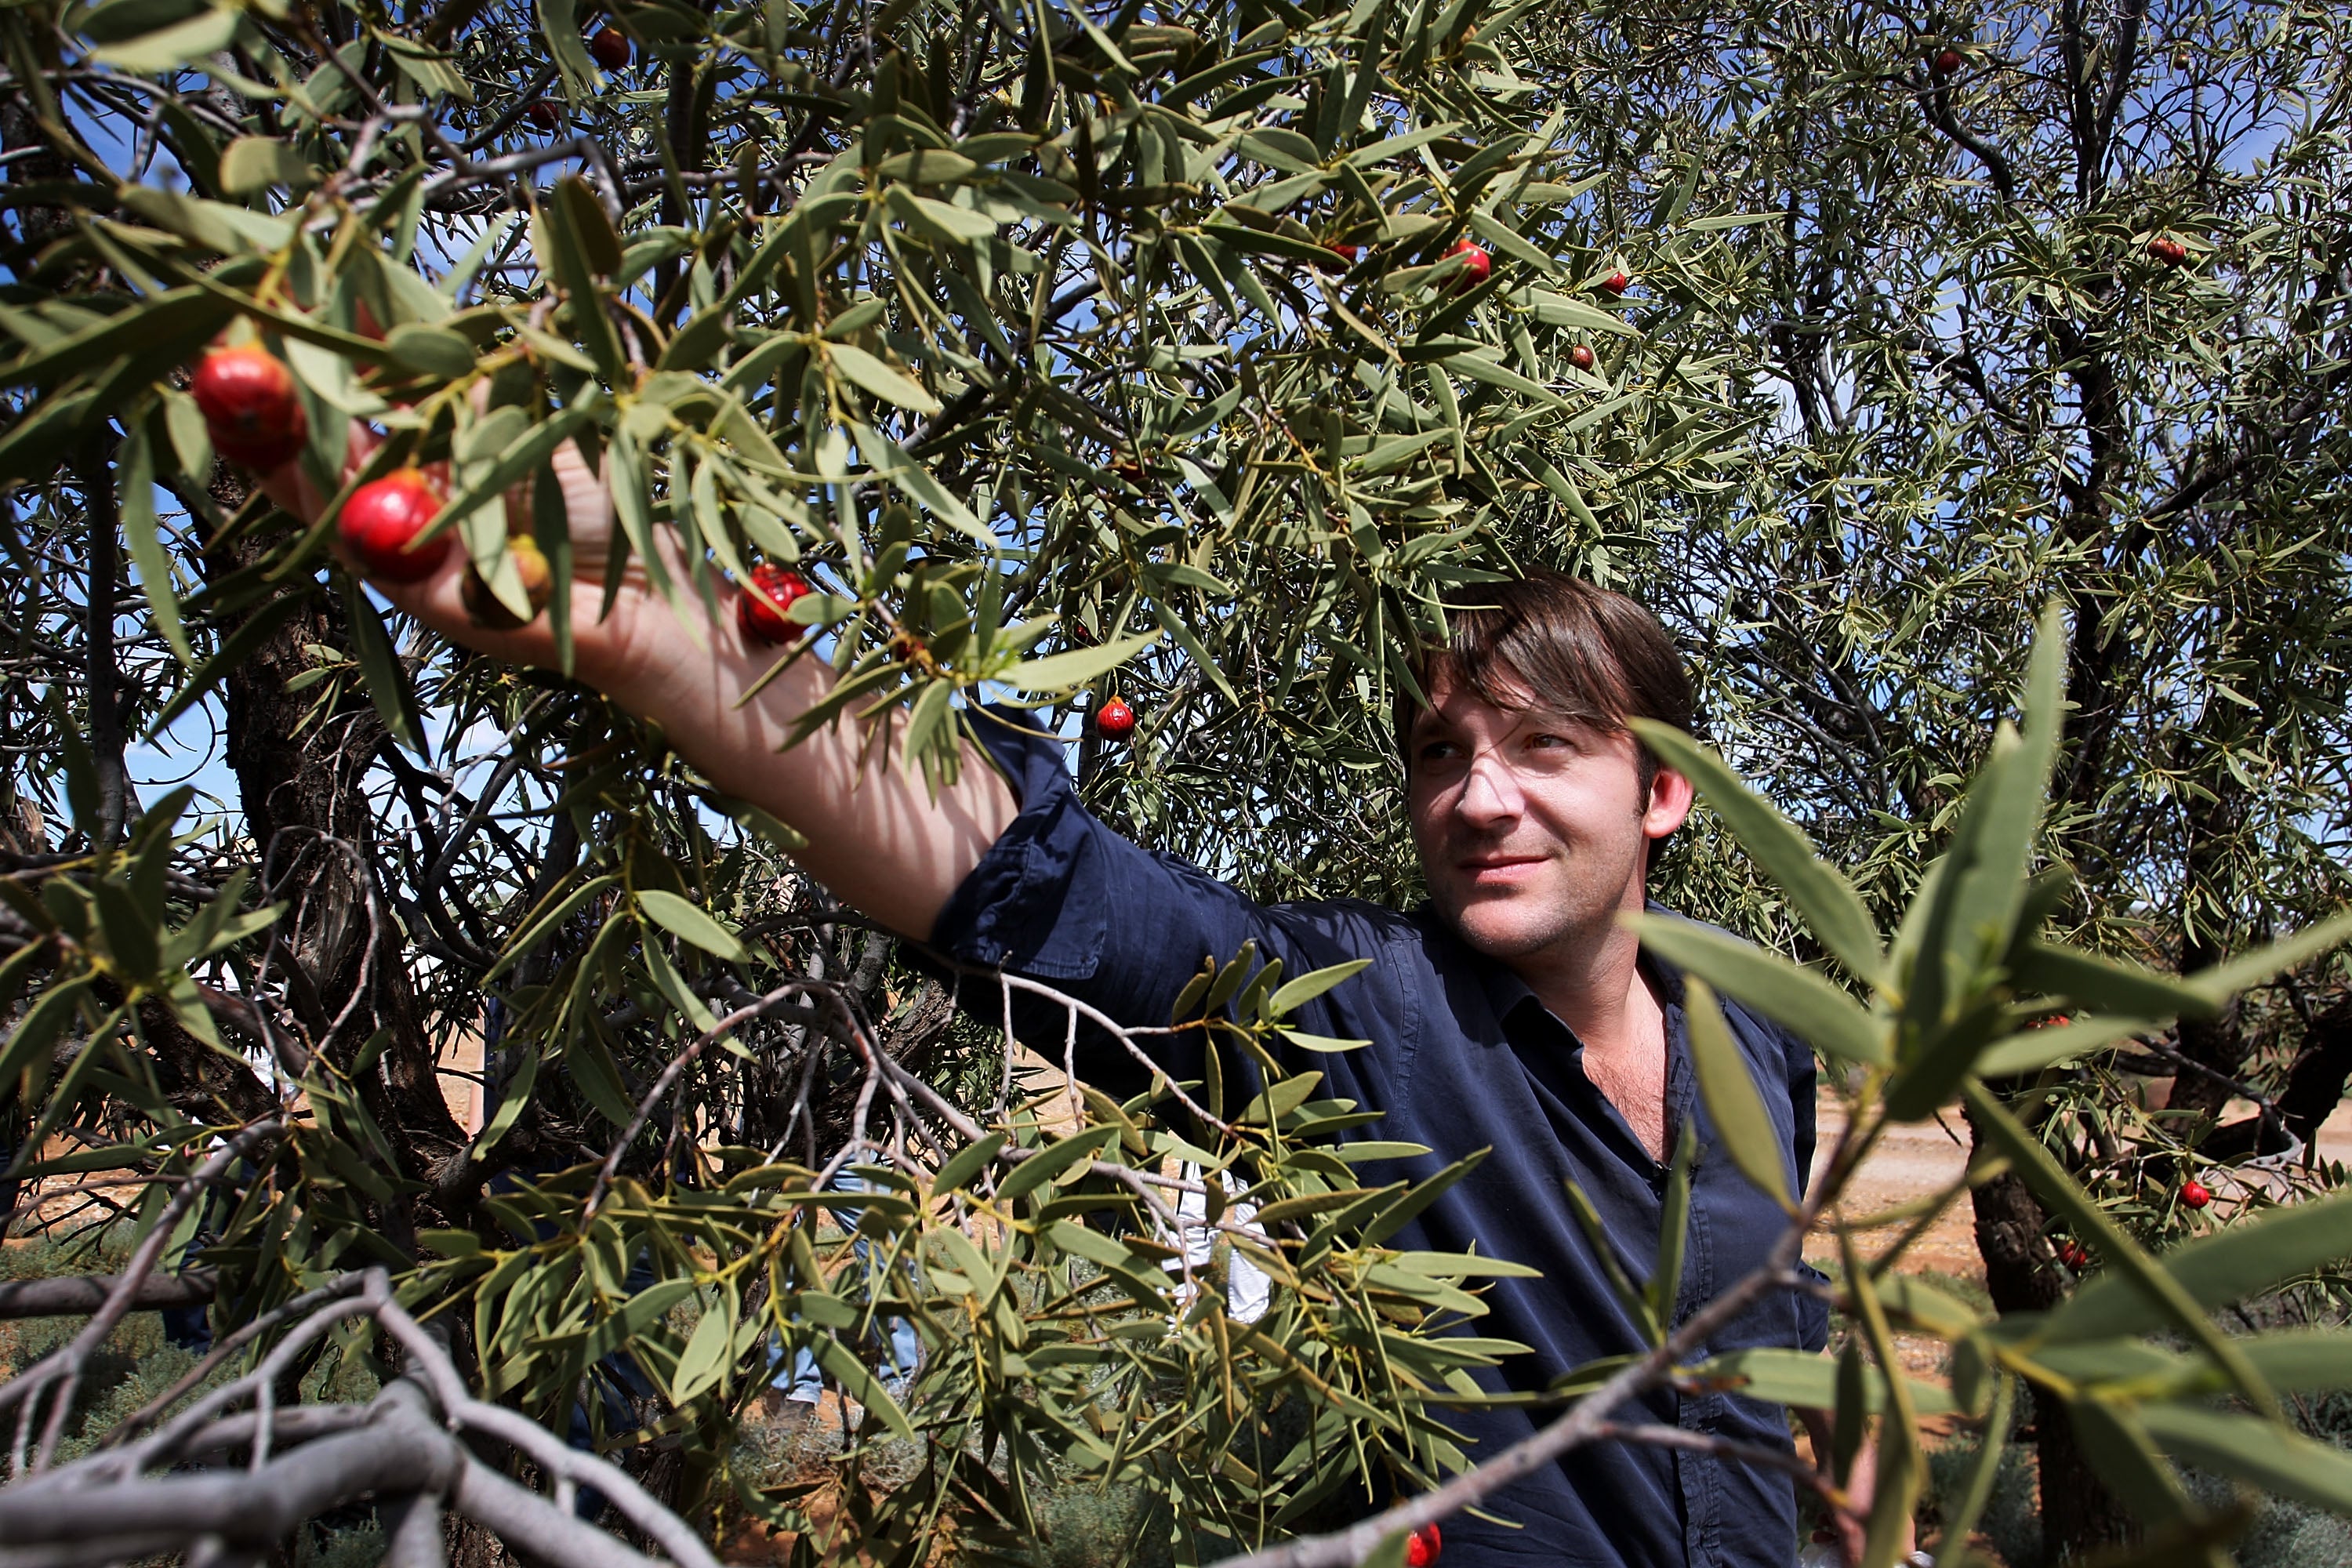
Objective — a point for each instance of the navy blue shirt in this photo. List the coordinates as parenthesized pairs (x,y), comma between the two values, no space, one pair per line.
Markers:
(1463,1058)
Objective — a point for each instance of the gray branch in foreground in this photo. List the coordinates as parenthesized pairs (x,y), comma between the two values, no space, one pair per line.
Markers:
(278,1468)
(74,1295)
(398,1454)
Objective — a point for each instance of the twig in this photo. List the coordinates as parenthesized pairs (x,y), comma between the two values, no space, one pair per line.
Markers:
(65,1364)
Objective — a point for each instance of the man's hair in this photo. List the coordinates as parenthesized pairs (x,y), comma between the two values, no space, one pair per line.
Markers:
(1587,653)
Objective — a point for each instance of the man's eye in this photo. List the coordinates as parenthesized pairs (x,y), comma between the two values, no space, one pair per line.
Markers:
(1439,751)
(1546,741)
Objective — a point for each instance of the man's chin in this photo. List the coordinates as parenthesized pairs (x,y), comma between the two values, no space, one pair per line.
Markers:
(1502,929)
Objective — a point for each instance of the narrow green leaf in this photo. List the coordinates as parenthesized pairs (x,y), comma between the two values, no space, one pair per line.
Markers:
(1298,992)
(881,380)
(1832,910)
(1066,671)
(1797,998)
(1733,1102)
(2257,1253)
(683,919)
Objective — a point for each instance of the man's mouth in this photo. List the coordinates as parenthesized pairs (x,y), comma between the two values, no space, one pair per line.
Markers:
(1498,870)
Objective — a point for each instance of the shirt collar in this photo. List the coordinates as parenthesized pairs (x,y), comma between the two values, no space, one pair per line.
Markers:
(1506,993)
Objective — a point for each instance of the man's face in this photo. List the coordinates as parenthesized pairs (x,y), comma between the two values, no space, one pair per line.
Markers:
(1533,828)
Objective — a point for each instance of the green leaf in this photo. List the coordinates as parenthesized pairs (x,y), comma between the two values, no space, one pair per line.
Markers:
(1673,1226)
(2037,1048)
(143,530)
(253,164)
(1296,993)
(1809,1381)
(2073,975)
(1733,1103)
(2226,979)
(381,671)
(1832,909)
(1066,671)
(686,919)
(179,45)
(1816,1011)
(2119,1448)
(967,1164)
(2159,1287)
(239,646)
(1052,1161)
(708,1351)
(881,380)
(2256,1254)
(39,1029)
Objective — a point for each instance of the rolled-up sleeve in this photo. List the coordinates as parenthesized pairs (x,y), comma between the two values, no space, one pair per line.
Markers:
(1062,898)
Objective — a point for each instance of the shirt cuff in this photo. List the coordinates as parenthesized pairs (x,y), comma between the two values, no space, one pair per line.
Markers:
(1027,906)
(1813,1313)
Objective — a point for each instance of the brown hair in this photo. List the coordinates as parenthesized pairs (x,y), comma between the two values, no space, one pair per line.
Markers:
(1593,655)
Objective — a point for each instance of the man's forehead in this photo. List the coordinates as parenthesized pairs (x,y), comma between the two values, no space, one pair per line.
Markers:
(1461,706)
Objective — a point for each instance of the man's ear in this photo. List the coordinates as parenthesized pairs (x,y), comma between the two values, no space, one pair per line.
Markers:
(1670,803)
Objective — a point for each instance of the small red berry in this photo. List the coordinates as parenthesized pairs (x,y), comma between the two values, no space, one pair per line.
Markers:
(611,47)
(544,115)
(1114,721)
(1948,61)
(2195,1194)
(1477,265)
(1420,1548)
(1345,252)
(382,517)
(2171,252)
(759,609)
(1582,357)
(246,396)
(1617,283)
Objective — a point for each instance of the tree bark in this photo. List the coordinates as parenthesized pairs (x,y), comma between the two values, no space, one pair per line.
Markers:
(94,475)
(2078,1511)
(303,789)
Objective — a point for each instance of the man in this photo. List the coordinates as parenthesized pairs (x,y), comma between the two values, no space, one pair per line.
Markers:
(1516,1012)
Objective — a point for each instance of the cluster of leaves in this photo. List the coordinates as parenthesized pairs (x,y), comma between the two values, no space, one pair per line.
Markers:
(1965,991)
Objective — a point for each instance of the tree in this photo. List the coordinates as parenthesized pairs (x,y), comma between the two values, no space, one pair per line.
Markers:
(1032,339)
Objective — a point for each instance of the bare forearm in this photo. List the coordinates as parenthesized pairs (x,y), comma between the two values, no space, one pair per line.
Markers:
(876,836)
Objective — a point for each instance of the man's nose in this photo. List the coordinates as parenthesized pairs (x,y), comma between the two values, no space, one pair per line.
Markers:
(1490,793)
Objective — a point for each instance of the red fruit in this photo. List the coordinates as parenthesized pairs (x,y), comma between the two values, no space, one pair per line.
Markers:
(2171,252)
(1617,283)
(2195,1194)
(1477,265)
(1948,61)
(1420,1548)
(1582,357)
(760,608)
(2075,1255)
(611,47)
(544,116)
(382,517)
(1344,251)
(1114,721)
(246,396)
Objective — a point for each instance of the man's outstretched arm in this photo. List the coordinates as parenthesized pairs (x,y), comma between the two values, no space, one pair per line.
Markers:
(876,836)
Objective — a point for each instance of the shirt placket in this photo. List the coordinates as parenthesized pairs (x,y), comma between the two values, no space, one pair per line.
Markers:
(1699,1476)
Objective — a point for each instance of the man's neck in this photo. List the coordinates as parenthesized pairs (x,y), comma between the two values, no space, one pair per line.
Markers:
(1597,988)
(1594,983)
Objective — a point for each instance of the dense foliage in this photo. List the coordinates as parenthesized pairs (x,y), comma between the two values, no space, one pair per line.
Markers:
(1076,354)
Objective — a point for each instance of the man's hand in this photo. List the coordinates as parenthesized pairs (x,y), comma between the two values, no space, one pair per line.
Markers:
(877,837)
(606,651)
